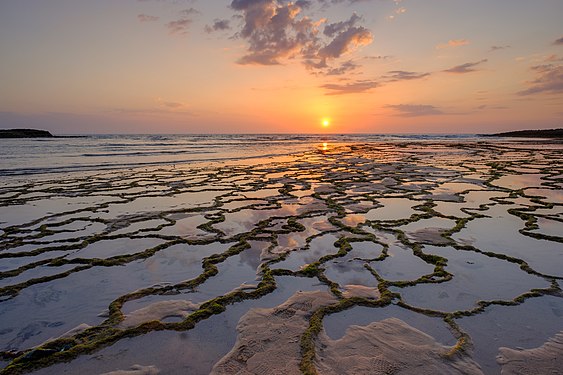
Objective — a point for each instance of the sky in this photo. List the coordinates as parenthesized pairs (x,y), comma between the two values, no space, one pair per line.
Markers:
(277,66)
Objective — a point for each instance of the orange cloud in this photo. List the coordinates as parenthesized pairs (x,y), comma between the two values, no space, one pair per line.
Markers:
(453,43)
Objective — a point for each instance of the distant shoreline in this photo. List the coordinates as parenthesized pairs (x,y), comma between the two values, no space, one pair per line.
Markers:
(25,133)
(38,133)
(33,133)
(544,133)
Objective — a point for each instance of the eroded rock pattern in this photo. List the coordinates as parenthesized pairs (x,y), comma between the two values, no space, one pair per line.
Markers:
(410,224)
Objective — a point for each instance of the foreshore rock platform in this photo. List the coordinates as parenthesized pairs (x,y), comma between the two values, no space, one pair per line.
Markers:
(395,257)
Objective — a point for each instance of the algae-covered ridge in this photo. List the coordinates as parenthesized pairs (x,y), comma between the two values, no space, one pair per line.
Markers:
(375,202)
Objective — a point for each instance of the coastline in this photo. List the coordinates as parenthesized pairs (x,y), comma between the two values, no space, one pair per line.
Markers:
(543,133)
(183,260)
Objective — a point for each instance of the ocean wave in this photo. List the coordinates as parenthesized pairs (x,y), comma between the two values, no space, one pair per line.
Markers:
(147,153)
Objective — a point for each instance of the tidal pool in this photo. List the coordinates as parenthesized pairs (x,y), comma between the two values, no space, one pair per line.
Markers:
(111,248)
(54,307)
(528,325)
(401,265)
(476,277)
(195,351)
(318,247)
(543,256)
(393,209)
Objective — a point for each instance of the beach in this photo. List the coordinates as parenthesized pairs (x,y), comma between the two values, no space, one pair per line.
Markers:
(281,254)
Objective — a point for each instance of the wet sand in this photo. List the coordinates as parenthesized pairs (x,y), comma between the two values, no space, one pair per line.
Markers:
(448,253)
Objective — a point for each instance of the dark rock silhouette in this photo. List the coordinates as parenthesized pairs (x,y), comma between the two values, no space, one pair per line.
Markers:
(543,133)
(24,133)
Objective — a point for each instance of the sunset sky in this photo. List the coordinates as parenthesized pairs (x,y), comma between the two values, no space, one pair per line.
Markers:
(274,66)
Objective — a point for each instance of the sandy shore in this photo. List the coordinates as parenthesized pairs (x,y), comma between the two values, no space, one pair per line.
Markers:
(386,258)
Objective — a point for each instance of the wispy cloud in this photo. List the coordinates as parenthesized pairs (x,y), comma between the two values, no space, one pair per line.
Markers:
(345,67)
(184,19)
(168,1)
(465,68)
(398,10)
(218,25)
(401,75)
(498,48)
(553,58)
(365,86)
(453,43)
(189,12)
(147,18)
(327,2)
(379,57)
(350,88)
(415,110)
(548,79)
(169,104)
(490,107)
(559,42)
(179,27)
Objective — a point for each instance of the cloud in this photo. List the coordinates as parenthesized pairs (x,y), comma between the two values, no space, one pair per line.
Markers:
(278,31)
(498,48)
(147,18)
(453,43)
(559,42)
(367,85)
(169,104)
(465,68)
(350,88)
(484,107)
(553,58)
(189,12)
(401,10)
(346,41)
(415,110)
(304,4)
(398,11)
(169,1)
(334,28)
(401,75)
(179,27)
(345,67)
(549,79)
(380,57)
(327,2)
(218,25)
(273,31)
(161,106)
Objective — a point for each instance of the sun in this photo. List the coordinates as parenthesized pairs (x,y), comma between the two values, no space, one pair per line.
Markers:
(326,122)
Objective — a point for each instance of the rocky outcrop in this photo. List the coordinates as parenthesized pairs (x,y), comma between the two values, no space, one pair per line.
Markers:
(542,133)
(24,133)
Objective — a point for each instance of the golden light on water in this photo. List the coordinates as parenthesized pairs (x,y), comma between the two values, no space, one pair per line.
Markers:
(325,146)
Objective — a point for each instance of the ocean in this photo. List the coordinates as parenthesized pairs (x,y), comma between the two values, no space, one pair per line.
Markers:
(97,152)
